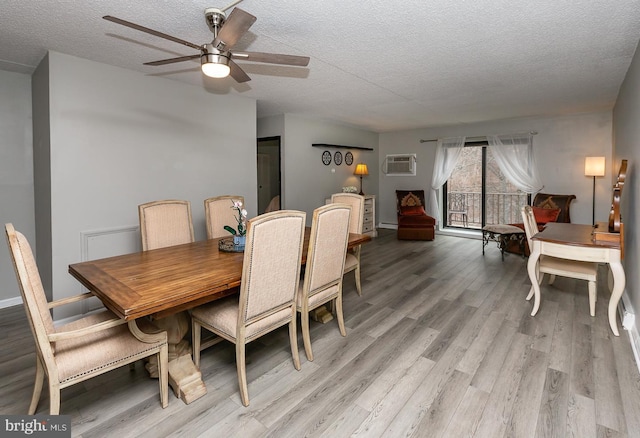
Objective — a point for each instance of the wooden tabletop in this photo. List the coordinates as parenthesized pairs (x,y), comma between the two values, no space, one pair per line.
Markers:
(167,280)
(573,235)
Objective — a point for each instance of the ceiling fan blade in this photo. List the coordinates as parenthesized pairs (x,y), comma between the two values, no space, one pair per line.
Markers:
(232,29)
(237,73)
(172,60)
(272,58)
(151,31)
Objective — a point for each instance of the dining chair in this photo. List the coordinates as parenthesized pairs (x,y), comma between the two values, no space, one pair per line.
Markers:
(267,301)
(168,223)
(559,266)
(218,213)
(352,262)
(324,267)
(165,223)
(82,349)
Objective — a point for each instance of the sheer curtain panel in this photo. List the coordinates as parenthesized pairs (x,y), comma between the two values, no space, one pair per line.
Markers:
(448,151)
(514,155)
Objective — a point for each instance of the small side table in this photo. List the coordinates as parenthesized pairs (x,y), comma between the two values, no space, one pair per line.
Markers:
(502,234)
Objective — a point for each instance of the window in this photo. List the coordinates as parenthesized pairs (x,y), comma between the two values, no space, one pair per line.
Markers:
(477,193)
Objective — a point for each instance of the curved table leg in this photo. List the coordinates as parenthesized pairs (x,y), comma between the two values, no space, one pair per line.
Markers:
(532,269)
(619,281)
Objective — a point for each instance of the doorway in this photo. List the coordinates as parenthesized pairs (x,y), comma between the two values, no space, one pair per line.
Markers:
(268,156)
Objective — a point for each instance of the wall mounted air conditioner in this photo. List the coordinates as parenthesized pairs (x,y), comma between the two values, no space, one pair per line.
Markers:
(400,165)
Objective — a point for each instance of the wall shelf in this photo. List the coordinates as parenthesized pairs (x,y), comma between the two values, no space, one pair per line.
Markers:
(323,145)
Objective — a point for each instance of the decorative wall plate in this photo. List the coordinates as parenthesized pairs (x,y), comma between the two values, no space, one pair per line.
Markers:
(337,158)
(348,158)
(326,158)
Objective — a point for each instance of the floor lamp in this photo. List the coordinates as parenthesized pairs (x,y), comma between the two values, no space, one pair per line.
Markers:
(361,170)
(594,166)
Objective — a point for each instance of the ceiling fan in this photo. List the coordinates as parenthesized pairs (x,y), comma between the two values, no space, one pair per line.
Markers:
(216,58)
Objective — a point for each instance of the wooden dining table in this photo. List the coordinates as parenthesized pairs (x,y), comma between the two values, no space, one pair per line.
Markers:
(162,282)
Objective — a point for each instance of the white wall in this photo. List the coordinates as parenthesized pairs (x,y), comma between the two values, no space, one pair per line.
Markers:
(120,139)
(560,148)
(307,182)
(626,117)
(16,173)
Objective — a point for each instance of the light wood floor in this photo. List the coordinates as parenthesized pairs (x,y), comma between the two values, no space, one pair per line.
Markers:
(440,344)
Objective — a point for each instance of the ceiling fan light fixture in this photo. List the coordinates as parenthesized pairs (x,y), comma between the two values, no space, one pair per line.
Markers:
(214,70)
(215,65)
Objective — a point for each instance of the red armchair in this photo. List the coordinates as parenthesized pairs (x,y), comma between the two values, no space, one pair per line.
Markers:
(413,221)
(546,208)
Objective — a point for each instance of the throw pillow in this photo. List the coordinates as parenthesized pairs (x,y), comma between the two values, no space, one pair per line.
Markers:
(544,215)
(414,210)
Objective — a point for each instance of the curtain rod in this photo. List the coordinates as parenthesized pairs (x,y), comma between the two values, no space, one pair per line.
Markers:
(476,138)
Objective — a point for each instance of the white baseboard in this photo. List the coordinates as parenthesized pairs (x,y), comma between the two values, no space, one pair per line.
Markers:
(10,302)
(628,318)
(388,226)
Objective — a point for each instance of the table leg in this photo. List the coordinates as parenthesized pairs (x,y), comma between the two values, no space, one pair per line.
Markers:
(532,269)
(619,282)
(184,377)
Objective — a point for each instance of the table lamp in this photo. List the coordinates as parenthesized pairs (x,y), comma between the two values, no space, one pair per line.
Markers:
(361,169)
(594,166)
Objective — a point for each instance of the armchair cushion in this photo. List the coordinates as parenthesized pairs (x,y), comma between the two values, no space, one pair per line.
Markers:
(563,202)
(412,210)
(544,215)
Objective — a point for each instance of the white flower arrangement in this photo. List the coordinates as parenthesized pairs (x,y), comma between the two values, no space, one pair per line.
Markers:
(350,189)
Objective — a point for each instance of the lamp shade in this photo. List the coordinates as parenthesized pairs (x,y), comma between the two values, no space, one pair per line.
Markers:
(594,166)
(361,169)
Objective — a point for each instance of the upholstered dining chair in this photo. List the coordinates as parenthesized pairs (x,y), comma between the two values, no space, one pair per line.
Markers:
(352,262)
(218,213)
(168,223)
(165,223)
(82,349)
(324,268)
(270,278)
(559,266)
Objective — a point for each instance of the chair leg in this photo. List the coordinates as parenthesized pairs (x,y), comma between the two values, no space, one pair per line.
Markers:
(552,278)
(339,315)
(163,375)
(242,372)
(37,387)
(54,398)
(358,284)
(593,296)
(306,337)
(196,331)
(293,339)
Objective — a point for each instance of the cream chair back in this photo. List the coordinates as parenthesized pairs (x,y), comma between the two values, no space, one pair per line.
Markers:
(218,212)
(271,267)
(33,295)
(357,209)
(530,225)
(165,223)
(327,248)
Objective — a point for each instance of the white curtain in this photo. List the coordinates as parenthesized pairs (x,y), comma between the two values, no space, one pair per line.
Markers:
(514,155)
(448,151)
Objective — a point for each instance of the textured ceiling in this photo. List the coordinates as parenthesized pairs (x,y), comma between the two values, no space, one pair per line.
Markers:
(379,65)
